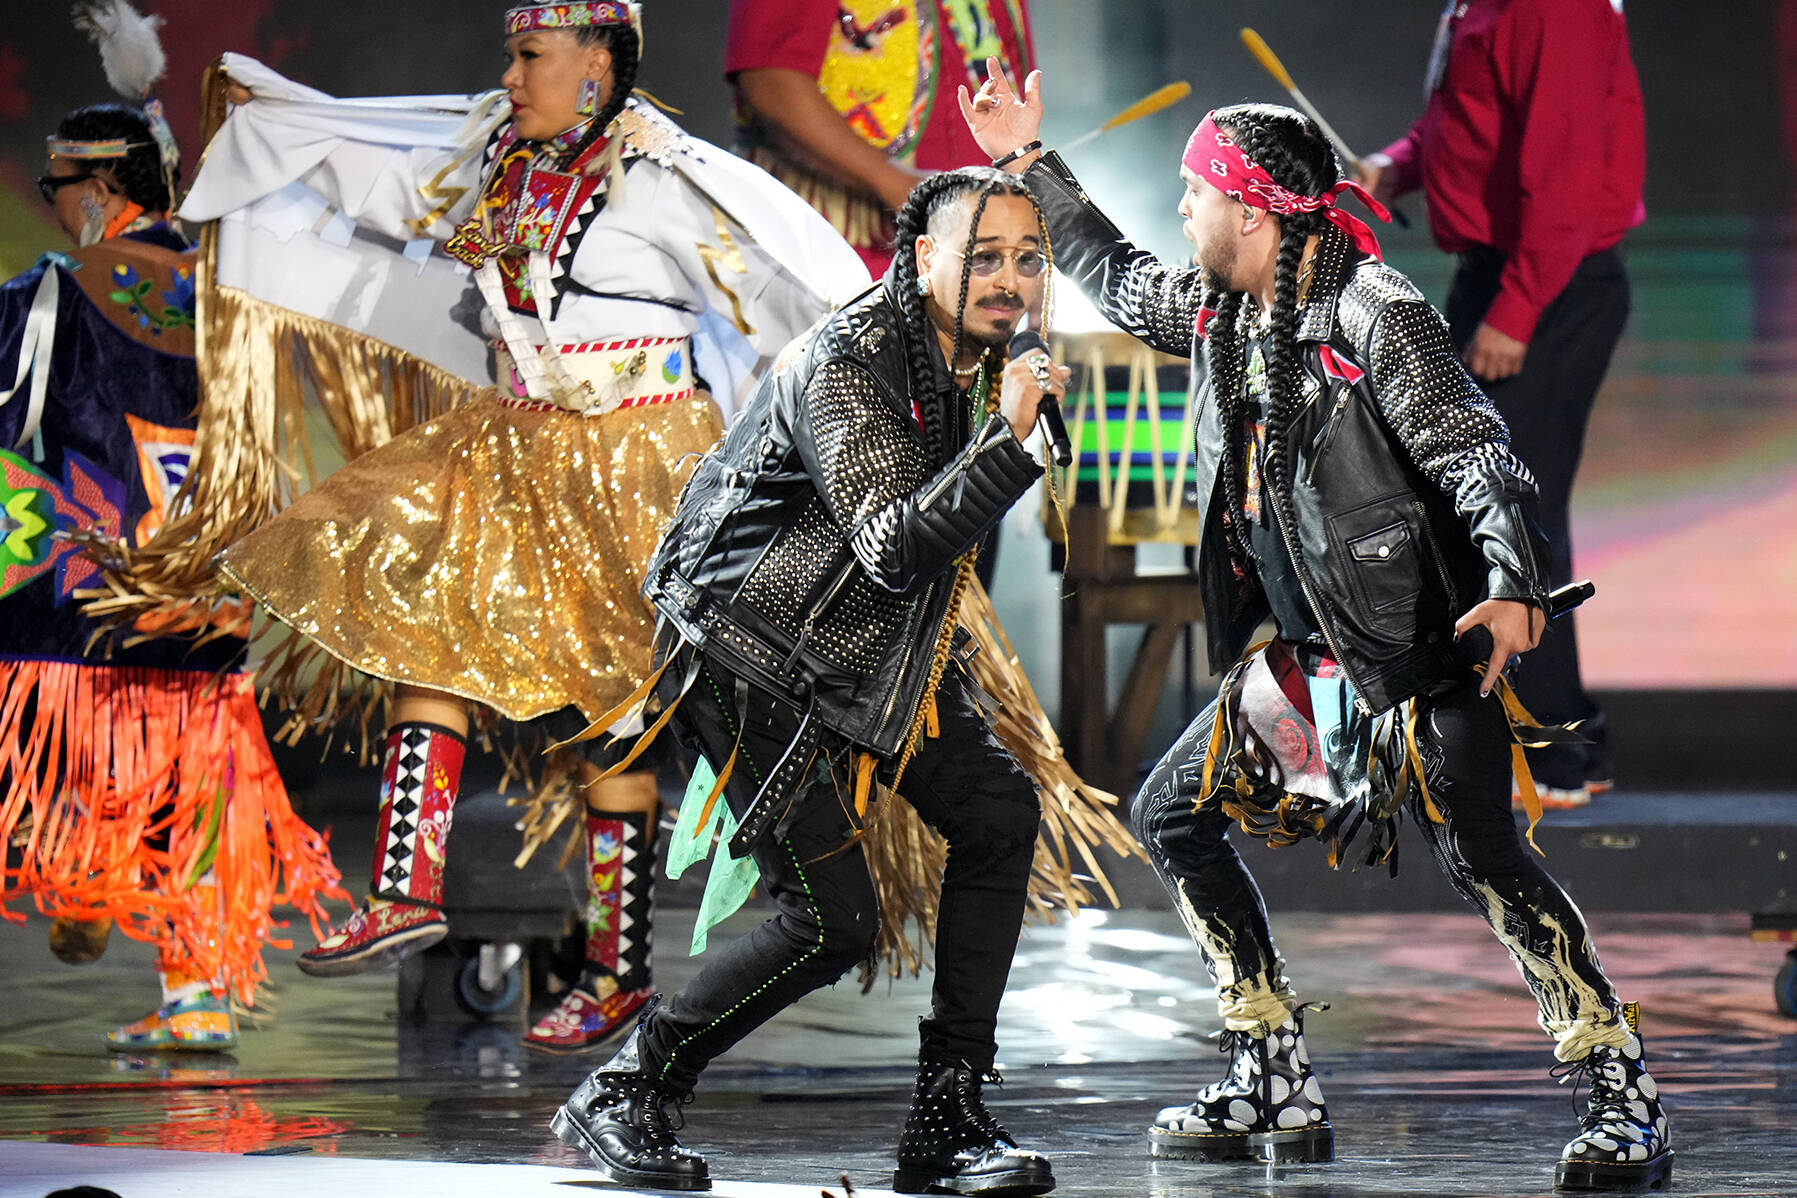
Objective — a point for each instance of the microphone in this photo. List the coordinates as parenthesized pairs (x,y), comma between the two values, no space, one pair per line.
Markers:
(1568,597)
(1048,415)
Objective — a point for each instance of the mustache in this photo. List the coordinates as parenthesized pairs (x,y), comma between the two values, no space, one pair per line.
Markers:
(1003,299)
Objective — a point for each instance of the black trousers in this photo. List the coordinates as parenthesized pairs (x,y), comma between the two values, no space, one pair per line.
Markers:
(1464,741)
(1548,406)
(826,917)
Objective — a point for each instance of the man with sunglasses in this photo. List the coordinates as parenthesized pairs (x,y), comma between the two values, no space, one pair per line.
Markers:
(808,591)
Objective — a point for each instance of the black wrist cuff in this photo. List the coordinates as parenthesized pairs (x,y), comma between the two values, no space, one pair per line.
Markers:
(1027,148)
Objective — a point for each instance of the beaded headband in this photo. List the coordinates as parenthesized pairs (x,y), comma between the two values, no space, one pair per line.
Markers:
(114,147)
(567,16)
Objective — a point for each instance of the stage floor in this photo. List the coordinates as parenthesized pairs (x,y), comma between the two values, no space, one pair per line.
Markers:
(1436,1078)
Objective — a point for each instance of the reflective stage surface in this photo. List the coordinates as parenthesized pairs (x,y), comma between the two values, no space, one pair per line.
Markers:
(1436,1078)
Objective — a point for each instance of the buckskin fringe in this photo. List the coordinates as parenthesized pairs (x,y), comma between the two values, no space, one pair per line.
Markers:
(123,786)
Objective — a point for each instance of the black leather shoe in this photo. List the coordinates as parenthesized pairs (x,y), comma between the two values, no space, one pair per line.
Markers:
(952,1145)
(626,1125)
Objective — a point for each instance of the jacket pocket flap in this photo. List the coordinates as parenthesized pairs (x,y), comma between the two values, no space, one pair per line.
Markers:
(1380,544)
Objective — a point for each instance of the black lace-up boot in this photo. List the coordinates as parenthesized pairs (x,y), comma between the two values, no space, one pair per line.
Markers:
(1624,1141)
(625,1123)
(1268,1107)
(951,1144)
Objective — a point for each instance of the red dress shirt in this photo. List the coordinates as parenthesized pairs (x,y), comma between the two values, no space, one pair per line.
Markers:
(1533,144)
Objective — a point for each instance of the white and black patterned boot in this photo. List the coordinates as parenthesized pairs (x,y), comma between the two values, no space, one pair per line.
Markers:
(952,1145)
(1624,1142)
(1268,1107)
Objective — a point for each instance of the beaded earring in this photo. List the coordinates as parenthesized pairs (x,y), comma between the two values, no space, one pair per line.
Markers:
(587,102)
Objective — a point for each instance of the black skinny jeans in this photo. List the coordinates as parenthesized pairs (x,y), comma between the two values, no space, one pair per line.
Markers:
(826,917)
(1465,745)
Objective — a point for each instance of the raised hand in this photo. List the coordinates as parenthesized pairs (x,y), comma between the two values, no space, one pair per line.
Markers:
(998,117)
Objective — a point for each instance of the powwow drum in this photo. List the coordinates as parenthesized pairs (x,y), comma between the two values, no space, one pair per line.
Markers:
(1130,418)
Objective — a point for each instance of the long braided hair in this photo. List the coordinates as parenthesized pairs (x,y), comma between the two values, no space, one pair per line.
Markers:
(138,175)
(626,53)
(1290,147)
(929,209)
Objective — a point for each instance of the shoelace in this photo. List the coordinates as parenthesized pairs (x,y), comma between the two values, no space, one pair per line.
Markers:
(658,1119)
(989,1126)
(1230,1042)
(653,1115)
(1589,1070)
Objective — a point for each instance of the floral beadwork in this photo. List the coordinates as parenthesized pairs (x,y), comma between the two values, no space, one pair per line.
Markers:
(133,291)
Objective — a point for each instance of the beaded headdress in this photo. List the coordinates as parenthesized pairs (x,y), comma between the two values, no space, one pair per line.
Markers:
(532,17)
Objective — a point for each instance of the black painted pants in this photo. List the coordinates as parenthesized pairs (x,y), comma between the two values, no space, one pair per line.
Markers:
(1465,745)
(826,917)
(1548,406)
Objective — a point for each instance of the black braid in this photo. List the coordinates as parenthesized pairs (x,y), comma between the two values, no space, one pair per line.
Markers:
(1224,348)
(626,54)
(1288,146)
(929,198)
(138,176)
(961,426)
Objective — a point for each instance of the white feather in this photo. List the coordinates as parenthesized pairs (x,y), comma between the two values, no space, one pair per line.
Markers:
(130,50)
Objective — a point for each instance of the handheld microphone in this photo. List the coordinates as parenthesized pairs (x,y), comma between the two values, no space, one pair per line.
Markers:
(1048,415)
(1568,597)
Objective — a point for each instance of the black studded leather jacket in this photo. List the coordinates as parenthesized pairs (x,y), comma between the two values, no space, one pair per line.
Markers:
(813,549)
(1401,502)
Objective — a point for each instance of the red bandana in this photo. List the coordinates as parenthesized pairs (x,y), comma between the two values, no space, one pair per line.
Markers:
(1213,156)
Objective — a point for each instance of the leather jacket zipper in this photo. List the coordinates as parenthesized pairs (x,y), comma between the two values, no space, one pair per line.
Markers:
(928,498)
(1316,605)
(1441,566)
(1327,433)
(816,609)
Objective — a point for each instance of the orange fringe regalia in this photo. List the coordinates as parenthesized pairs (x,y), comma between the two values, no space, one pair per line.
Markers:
(136,783)
(125,786)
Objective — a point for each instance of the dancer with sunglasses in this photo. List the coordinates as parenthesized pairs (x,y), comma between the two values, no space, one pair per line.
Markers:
(135,778)
(811,589)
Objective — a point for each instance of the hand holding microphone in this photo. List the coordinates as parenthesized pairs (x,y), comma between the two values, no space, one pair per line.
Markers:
(1031,393)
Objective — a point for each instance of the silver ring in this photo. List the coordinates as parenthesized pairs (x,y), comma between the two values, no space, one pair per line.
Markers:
(1041,365)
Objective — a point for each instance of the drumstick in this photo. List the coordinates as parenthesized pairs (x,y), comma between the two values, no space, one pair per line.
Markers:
(1257,46)
(1148,105)
(1263,53)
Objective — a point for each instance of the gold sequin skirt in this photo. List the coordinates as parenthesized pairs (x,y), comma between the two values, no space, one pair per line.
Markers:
(495,552)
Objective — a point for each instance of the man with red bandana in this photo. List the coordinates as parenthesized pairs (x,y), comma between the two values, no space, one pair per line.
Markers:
(1356,486)
(1531,154)
(851,102)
